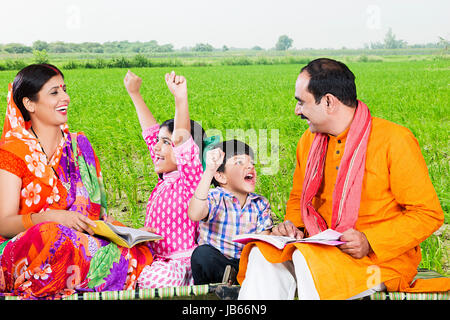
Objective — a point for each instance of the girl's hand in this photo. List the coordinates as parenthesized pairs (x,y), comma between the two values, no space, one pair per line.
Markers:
(72,220)
(132,83)
(148,229)
(214,159)
(177,85)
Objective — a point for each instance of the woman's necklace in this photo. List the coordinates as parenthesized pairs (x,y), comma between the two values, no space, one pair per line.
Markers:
(65,184)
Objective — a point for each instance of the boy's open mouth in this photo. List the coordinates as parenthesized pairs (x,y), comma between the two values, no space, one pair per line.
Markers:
(250,178)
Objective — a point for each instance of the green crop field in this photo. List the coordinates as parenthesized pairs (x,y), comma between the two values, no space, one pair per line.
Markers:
(258,100)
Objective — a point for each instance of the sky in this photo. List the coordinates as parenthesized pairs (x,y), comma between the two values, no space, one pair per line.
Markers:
(234,23)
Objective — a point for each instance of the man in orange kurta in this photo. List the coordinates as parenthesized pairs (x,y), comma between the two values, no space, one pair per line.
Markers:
(398,208)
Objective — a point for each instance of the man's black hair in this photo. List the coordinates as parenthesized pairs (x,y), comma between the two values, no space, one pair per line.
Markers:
(334,77)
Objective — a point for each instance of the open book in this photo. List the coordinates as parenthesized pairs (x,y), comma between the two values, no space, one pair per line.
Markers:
(328,237)
(123,236)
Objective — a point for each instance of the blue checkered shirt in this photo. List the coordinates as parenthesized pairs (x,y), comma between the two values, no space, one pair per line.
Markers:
(226,219)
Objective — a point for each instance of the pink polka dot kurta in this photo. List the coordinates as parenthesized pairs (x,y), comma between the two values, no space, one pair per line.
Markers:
(167,213)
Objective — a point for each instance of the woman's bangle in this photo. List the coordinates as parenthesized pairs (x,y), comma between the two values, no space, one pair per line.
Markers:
(26,221)
(200,198)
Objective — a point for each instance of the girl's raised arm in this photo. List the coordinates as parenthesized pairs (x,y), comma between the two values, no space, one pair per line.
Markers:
(133,83)
(182,127)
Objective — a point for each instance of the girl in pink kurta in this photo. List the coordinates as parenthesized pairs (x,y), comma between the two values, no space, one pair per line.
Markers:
(175,148)
(167,214)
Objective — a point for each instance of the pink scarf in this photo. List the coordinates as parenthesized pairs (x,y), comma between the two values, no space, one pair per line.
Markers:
(347,192)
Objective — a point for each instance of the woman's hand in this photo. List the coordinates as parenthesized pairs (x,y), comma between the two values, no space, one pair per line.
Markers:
(177,85)
(108,218)
(70,219)
(132,83)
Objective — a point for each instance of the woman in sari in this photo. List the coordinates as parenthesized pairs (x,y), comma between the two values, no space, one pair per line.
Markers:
(51,192)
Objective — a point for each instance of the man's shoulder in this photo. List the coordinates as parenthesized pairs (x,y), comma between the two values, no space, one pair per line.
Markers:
(383,131)
(388,129)
(383,124)
(389,138)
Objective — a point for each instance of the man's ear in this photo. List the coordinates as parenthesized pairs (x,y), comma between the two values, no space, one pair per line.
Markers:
(28,104)
(220,177)
(331,103)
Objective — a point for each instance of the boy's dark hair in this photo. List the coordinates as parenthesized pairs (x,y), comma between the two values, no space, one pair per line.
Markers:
(29,81)
(197,133)
(231,148)
(331,76)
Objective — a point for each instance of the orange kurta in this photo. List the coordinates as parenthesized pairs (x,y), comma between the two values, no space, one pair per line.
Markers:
(399,209)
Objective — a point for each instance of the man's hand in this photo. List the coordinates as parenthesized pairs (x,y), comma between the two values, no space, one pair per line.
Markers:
(177,85)
(287,229)
(132,83)
(356,244)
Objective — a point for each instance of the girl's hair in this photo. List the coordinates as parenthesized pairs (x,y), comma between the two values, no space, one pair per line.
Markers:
(197,133)
(29,81)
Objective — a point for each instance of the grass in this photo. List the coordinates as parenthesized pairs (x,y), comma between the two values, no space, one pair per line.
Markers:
(414,94)
(85,60)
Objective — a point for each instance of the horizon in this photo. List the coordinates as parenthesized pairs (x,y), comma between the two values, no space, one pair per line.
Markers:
(190,47)
(325,24)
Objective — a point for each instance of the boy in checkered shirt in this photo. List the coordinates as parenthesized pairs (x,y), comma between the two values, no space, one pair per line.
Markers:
(231,208)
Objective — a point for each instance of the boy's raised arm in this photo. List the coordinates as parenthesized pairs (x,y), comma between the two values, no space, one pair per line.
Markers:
(198,205)
(133,84)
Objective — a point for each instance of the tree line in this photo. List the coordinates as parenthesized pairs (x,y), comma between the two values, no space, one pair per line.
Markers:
(88,47)
(283,43)
(390,41)
(122,47)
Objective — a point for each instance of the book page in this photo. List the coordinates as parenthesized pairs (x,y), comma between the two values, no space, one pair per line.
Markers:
(277,241)
(328,237)
(133,235)
(123,236)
